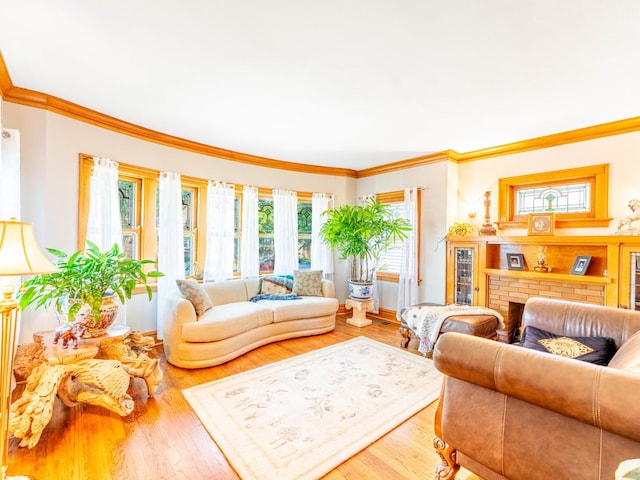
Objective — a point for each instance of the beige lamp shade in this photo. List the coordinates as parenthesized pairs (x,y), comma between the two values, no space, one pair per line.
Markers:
(20,253)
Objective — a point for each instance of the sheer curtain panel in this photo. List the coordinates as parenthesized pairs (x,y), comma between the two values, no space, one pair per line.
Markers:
(220,235)
(249,251)
(104,226)
(170,240)
(408,281)
(321,254)
(285,231)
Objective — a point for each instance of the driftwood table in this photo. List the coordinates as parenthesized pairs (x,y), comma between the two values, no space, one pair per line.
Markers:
(97,372)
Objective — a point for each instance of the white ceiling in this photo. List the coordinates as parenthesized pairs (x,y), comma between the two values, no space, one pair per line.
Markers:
(344,83)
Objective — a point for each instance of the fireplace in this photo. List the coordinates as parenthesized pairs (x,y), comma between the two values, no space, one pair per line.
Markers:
(515,319)
(505,290)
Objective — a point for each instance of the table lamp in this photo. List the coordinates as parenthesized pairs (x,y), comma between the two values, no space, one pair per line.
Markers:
(19,255)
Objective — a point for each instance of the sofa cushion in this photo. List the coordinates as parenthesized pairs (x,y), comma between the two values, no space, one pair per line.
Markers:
(276,284)
(627,357)
(306,307)
(224,321)
(597,350)
(192,291)
(307,282)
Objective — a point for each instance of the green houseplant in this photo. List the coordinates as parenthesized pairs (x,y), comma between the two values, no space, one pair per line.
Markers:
(360,234)
(84,280)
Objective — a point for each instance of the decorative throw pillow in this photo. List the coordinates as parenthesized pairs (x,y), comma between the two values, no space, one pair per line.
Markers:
(597,350)
(307,282)
(193,292)
(276,284)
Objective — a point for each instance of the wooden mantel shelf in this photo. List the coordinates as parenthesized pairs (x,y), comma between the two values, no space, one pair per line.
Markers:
(556,277)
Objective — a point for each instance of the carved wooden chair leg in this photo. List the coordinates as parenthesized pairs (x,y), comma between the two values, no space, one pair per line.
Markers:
(406,337)
(448,468)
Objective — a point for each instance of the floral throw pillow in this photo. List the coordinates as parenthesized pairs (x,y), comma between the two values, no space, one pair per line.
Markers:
(307,282)
(193,292)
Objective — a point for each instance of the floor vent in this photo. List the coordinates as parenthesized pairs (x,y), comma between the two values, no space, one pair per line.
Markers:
(385,323)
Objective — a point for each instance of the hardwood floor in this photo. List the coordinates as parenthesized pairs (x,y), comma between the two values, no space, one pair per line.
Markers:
(163,438)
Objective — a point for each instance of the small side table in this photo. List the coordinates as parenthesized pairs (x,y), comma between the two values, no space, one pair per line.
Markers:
(360,307)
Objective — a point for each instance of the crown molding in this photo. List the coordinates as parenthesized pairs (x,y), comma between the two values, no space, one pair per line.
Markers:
(410,163)
(572,136)
(32,98)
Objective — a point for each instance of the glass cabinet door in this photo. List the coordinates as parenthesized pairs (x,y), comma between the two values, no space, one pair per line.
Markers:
(630,275)
(464,273)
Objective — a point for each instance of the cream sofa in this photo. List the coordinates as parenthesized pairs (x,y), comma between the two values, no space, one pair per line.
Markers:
(236,325)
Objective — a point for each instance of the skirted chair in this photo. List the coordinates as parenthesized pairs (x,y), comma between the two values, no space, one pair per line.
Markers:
(511,412)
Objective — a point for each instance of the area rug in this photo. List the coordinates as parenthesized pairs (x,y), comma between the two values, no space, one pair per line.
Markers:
(301,417)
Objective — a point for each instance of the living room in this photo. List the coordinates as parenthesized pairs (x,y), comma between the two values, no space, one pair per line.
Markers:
(54,132)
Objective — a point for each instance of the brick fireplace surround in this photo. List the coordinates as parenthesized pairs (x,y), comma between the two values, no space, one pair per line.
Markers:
(505,290)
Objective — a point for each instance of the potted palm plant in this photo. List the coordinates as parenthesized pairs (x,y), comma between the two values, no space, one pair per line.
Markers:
(86,285)
(360,234)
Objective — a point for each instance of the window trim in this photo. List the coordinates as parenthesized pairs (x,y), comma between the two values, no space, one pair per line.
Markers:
(148,247)
(597,175)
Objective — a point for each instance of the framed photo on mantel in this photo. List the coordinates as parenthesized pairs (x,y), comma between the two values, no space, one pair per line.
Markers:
(543,223)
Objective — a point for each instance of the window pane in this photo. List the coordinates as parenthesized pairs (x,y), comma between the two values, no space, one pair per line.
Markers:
(236,214)
(188,255)
(391,260)
(265,216)
(187,210)
(236,254)
(266,254)
(304,253)
(304,218)
(568,198)
(127,190)
(130,245)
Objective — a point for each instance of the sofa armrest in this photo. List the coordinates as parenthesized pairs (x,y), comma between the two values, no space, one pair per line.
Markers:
(328,289)
(596,395)
(177,311)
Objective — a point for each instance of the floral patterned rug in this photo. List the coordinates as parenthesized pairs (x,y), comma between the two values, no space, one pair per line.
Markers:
(301,417)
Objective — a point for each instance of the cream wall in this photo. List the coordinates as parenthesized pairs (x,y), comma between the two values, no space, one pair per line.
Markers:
(50,145)
(436,191)
(621,152)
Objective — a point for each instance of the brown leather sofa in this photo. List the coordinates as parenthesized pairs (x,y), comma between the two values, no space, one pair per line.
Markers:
(508,412)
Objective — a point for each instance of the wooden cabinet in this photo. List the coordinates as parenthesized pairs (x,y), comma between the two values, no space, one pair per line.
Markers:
(464,264)
(613,272)
(630,277)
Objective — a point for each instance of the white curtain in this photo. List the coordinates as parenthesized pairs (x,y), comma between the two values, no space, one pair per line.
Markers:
(170,241)
(249,251)
(322,257)
(285,231)
(104,226)
(220,235)
(408,283)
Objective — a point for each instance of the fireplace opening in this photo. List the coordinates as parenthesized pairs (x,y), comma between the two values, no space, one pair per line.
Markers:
(515,321)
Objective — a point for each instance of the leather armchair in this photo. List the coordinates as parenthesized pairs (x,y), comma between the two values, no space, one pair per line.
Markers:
(506,412)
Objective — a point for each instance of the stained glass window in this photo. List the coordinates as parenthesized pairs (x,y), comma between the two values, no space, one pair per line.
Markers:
(569,198)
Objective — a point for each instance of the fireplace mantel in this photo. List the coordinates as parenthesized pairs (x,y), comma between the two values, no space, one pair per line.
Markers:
(550,276)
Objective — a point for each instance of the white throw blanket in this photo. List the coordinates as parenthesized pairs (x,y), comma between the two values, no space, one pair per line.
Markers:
(426,321)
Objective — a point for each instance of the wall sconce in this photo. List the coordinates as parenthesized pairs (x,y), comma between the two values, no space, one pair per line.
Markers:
(471,214)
